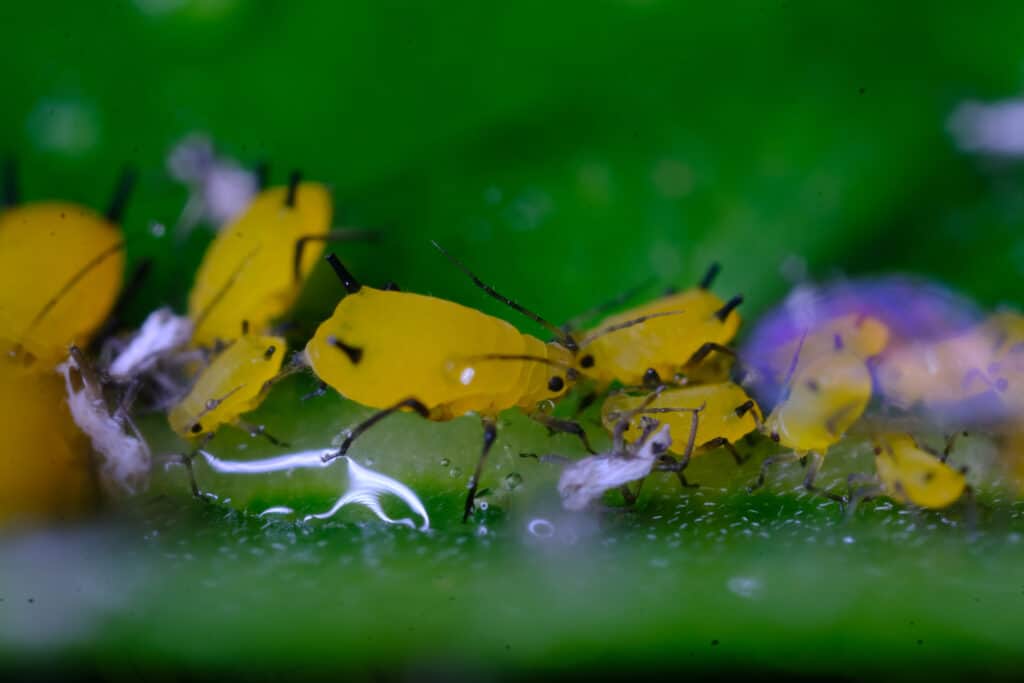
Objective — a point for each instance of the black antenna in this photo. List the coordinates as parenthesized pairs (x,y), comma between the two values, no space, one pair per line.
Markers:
(10,182)
(122,192)
(566,338)
(293,184)
(709,277)
(351,284)
(590,338)
(730,305)
(576,321)
(74,280)
(262,173)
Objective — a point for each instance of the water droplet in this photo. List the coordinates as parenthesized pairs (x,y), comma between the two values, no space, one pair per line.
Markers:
(483,505)
(848,540)
(513,480)
(455,472)
(445,462)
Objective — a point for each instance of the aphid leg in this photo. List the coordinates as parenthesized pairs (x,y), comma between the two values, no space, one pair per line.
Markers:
(355,432)
(630,497)
(705,350)
(678,466)
(339,235)
(950,443)
(490,434)
(861,487)
(321,389)
(557,425)
(187,459)
(586,401)
(722,442)
(971,509)
(814,465)
(768,463)
(255,430)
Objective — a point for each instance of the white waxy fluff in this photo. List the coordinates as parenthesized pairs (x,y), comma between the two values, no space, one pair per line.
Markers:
(220,187)
(586,480)
(125,458)
(160,334)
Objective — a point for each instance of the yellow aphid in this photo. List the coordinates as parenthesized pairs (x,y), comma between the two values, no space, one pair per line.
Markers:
(824,398)
(861,335)
(910,474)
(61,268)
(820,402)
(395,350)
(234,382)
(726,415)
(44,462)
(254,269)
(687,326)
(372,363)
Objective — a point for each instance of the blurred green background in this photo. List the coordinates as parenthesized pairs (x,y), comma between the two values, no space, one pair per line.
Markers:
(567,151)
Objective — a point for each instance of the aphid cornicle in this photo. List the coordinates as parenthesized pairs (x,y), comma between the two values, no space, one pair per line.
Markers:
(910,474)
(726,415)
(235,382)
(821,400)
(255,267)
(396,350)
(701,323)
(61,269)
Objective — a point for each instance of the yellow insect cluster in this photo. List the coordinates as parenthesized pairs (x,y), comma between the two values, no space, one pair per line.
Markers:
(667,361)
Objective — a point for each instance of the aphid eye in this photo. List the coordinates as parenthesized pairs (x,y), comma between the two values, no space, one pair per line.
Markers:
(775,437)
(878,450)
(928,476)
(651,376)
(587,361)
(196,428)
(269,353)
(555,384)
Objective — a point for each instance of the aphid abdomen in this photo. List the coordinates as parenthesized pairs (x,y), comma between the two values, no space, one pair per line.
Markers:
(61,267)
(404,345)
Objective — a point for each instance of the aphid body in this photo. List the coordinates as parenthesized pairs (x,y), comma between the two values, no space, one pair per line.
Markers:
(681,330)
(234,383)
(910,474)
(727,414)
(61,267)
(255,267)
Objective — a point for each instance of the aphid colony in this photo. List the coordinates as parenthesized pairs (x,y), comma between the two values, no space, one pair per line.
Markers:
(663,371)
